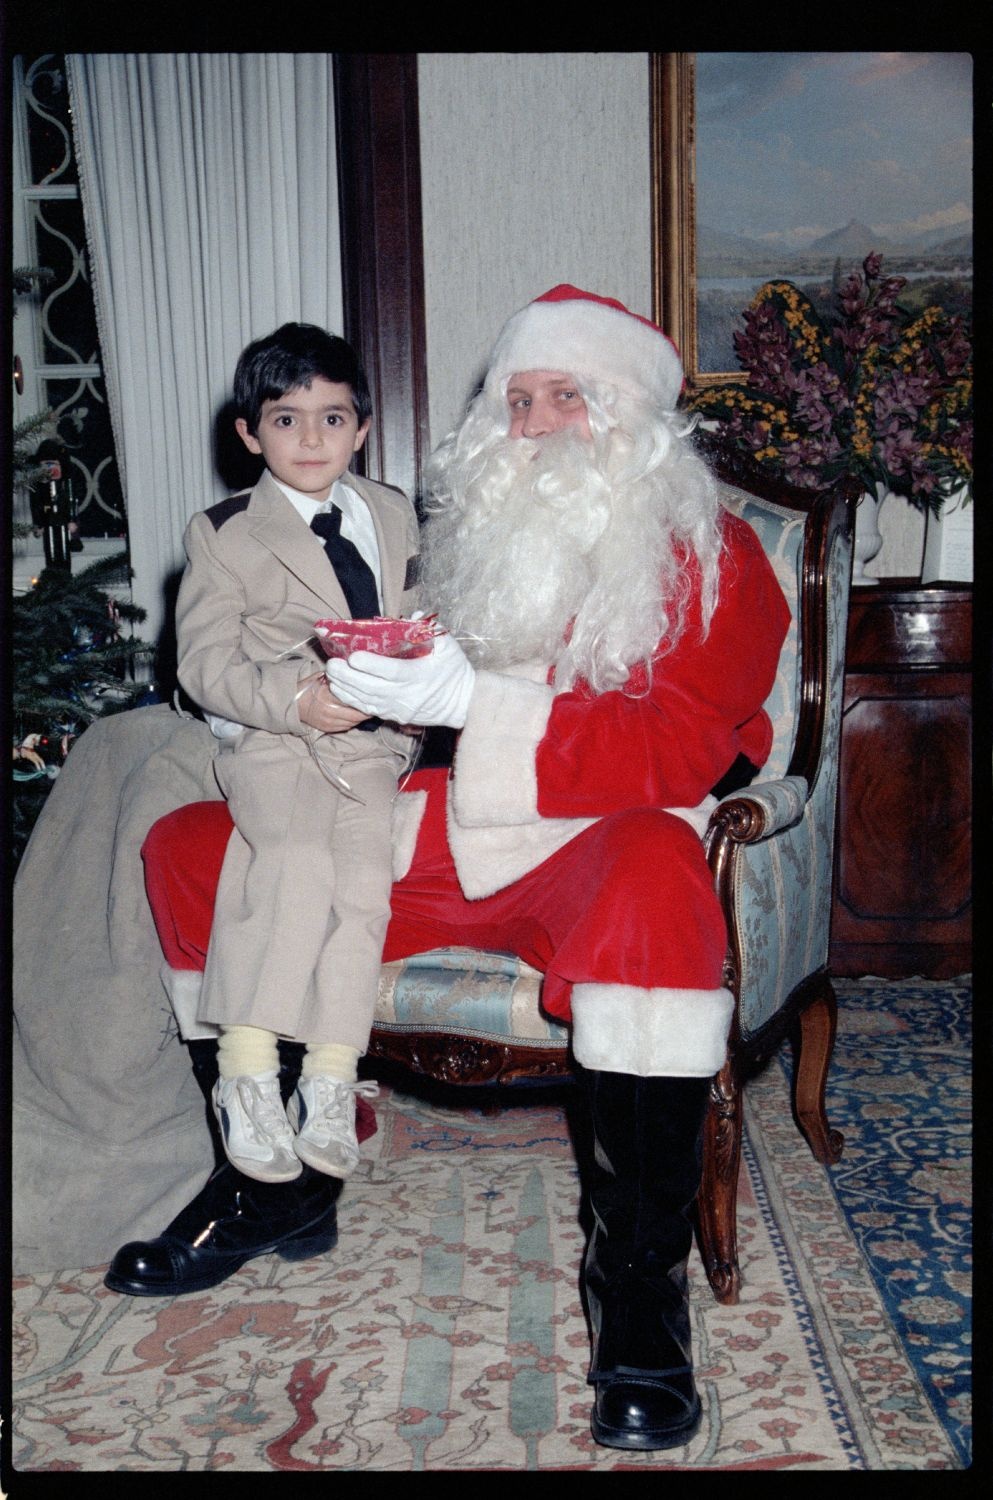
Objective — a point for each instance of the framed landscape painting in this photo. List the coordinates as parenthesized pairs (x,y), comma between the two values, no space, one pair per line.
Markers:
(795,165)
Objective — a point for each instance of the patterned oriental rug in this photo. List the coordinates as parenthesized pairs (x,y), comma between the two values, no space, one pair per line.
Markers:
(446,1330)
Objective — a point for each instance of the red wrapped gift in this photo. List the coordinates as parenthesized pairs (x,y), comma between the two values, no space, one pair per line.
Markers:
(384,636)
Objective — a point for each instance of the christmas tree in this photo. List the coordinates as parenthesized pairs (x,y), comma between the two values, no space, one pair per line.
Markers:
(72,662)
(73,658)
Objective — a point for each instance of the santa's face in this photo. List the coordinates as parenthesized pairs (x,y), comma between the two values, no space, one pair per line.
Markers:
(544,401)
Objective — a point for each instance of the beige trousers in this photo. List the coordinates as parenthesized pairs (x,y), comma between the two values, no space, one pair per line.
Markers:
(304,896)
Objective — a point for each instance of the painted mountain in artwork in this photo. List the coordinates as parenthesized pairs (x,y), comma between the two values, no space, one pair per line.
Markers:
(852,242)
(721,254)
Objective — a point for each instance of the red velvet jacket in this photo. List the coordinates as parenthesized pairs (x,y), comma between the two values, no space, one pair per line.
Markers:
(667,746)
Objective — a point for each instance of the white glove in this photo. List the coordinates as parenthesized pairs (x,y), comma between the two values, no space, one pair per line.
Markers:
(425,690)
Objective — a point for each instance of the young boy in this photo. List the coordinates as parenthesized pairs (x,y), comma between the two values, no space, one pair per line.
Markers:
(304,895)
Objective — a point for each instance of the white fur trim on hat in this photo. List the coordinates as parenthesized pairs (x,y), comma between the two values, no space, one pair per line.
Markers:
(580,336)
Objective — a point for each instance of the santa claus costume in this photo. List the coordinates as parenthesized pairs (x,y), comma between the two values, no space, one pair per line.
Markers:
(569,828)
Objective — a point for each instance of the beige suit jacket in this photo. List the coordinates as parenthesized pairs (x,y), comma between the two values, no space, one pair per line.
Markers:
(256,581)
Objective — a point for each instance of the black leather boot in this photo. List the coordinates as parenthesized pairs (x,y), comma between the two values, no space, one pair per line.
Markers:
(647,1143)
(233,1218)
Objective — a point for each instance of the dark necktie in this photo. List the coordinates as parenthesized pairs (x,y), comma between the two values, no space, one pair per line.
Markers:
(353,572)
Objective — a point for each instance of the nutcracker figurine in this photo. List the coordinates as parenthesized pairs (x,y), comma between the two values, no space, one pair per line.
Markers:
(53,506)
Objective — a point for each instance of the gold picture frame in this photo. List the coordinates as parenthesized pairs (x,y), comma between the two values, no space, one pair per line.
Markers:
(673,160)
(681,181)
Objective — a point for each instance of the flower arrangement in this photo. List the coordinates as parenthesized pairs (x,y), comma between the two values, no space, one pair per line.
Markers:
(870,390)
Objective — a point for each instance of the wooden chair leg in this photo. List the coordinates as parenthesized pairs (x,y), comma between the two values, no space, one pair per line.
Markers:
(717,1234)
(815,1037)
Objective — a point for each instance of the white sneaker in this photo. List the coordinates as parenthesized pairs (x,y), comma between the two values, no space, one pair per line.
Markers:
(322,1111)
(254,1128)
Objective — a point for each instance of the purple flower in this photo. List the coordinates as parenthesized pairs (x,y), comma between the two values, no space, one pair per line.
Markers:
(901,396)
(897,449)
(869,389)
(959,438)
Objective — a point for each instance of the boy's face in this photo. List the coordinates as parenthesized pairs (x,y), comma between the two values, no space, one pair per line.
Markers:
(307,436)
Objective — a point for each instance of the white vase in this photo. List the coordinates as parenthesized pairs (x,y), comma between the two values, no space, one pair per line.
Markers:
(868,537)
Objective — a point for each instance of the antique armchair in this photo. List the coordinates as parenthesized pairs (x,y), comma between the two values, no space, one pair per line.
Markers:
(461,1016)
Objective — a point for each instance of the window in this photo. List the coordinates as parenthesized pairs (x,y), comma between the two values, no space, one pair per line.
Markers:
(55,330)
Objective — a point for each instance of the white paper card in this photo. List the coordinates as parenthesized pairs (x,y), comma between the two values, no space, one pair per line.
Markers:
(948,543)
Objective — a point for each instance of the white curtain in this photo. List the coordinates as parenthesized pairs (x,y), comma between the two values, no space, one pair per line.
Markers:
(209,190)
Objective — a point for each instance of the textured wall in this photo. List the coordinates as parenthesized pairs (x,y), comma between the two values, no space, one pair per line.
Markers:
(535,170)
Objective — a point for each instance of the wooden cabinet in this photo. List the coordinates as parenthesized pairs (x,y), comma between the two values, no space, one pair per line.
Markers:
(903,857)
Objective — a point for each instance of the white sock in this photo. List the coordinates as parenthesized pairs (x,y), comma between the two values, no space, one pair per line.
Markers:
(333,1059)
(246,1049)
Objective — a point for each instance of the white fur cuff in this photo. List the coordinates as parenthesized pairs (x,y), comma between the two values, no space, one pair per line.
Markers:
(652,1033)
(183,987)
(495,780)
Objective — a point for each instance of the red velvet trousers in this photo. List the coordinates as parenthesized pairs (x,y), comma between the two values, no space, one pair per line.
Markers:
(629,901)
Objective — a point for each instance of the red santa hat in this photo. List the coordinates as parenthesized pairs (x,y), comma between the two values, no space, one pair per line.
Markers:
(582,334)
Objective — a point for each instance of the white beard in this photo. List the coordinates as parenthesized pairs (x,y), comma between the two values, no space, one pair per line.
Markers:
(508,573)
(527,538)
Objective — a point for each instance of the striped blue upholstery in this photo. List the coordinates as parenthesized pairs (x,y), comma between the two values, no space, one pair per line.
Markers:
(783,883)
(492,996)
(781,533)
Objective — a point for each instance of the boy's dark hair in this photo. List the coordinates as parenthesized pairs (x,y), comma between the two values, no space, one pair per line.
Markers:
(289,358)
